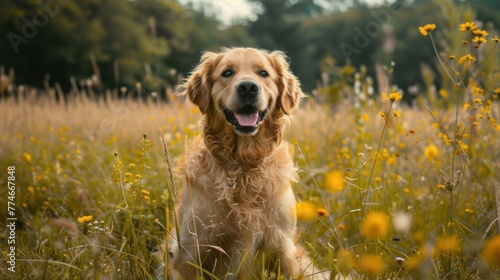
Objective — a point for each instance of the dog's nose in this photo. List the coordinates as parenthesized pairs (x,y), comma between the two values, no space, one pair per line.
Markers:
(247,89)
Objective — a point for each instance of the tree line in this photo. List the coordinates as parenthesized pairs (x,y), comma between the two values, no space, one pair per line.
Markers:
(119,43)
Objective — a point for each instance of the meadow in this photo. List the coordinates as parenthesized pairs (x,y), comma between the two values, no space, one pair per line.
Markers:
(388,189)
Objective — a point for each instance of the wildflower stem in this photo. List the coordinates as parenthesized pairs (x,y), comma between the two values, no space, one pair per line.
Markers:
(120,179)
(451,227)
(171,195)
(169,163)
(441,126)
(439,59)
(386,121)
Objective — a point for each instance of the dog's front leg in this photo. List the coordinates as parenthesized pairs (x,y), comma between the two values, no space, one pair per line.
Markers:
(282,236)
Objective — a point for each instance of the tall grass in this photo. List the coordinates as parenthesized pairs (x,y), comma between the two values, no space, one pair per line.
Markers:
(104,158)
(90,157)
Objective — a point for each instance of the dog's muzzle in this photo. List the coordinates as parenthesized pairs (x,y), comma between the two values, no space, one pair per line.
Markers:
(247,116)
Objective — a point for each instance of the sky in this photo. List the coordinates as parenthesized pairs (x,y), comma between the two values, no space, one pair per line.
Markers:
(231,10)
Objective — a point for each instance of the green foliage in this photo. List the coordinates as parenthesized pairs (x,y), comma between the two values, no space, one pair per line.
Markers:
(121,42)
(115,42)
(353,36)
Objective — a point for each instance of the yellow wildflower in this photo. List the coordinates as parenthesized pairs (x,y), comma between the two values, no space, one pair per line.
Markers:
(27,156)
(413,262)
(84,219)
(131,165)
(424,30)
(396,114)
(394,96)
(496,39)
(306,210)
(467,105)
(322,212)
(431,152)
(371,265)
(477,90)
(334,181)
(462,147)
(145,192)
(392,159)
(451,57)
(375,225)
(480,33)
(441,186)
(479,40)
(448,245)
(128,174)
(491,251)
(466,26)
(496,91)
(443,93)
(468,58)
(365,117)
(345,260)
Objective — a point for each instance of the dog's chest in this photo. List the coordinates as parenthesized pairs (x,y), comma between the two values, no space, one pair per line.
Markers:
(246,197)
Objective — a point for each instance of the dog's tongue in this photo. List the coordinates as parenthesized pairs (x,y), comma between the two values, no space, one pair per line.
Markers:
(247,120)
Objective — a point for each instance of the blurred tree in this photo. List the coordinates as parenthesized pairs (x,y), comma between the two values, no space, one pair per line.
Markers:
(341,35)
(204,33)
(278,27)
(115,43)
(492,4)
(354,36)
(149,41)
(58,39)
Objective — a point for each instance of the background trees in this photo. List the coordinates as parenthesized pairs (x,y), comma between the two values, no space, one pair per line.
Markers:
(122,42)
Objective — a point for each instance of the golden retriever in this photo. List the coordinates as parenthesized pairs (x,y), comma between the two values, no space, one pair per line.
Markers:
(237,210)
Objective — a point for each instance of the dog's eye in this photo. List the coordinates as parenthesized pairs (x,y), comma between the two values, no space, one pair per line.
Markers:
(227,73)
(263,73)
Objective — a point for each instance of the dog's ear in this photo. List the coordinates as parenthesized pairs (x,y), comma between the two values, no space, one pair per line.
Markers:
(199,85)
(289,85)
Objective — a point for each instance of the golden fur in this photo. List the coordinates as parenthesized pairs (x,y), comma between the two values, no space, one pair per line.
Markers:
(237,202)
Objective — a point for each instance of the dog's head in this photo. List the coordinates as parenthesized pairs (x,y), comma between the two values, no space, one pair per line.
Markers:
(243,86)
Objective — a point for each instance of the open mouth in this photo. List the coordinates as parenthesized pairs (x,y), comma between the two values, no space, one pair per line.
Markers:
(246,120)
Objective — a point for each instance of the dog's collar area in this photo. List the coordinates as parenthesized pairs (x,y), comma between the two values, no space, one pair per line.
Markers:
(249,117)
